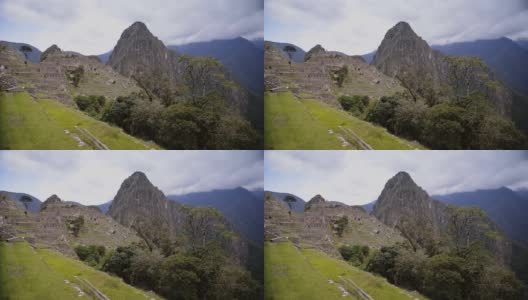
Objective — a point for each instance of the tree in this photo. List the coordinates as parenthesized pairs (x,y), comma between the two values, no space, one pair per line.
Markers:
(179,278)
(355,254)
(75,75)
(467,74)
(340,225)
(202,226)
(290,50)
(443,278)
(444,127)
(340,75)
(26,50)
(201,75)
(289,199)
(26,199)
(463,222)
(355,104)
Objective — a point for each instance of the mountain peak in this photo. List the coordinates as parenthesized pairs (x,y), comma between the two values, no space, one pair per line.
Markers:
(52,49)
(402,29)
(51,200)
(137,29)
(315,50)
(315,200)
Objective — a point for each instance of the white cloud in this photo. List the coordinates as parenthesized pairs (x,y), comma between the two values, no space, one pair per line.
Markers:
(358,26)
(92,177)
(358,177)
(94,26)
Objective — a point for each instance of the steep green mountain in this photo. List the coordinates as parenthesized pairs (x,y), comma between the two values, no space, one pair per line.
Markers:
(239,206)
(504,56)
(504,206)
(241,57)
(407,207)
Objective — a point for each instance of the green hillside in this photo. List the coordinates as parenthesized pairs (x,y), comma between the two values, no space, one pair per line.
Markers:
(292,123)
(26,273)
(292,273)
(27,123)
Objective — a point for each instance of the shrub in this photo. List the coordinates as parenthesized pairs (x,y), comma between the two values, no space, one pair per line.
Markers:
(355,254)
(75,75)
(75,225)
(354,104)
(340,225)
(92,105)
(91,254)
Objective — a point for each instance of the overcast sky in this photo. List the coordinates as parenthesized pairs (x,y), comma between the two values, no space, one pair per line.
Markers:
(94,177)
(358,177)
(358,26)
(93,26)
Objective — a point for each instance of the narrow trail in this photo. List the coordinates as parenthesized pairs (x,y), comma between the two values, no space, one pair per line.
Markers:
(97,293)
(92,138)
(360,292)
(361,142)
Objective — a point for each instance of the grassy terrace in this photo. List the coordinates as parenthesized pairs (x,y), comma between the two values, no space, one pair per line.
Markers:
(310,124)
(40,124)
(292,273)
(26,273)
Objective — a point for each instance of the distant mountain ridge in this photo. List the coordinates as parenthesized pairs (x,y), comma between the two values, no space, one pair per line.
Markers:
(241,207)
(33,55)
(506,207)
(296,206)
(32,206)
(506,57)
(295,56)
(241,57)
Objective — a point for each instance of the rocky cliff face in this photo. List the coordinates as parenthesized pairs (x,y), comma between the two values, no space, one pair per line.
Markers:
(139,51)
(403,52)
(144,208)
(402,199)
(407,207)
(138,54)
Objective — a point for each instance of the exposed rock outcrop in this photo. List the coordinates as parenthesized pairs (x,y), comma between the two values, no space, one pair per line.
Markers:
(317,49)
(402,53)
(51,50)
(407,207)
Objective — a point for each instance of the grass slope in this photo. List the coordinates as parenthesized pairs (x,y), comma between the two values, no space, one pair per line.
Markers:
(292,273)
(311,124)
(26,273)
(26,123)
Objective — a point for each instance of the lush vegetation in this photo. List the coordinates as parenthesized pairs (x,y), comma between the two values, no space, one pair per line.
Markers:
(457,116)
(194,265)
(26,123)
(92,105)
(455,266)
(340,225)
(75,75)
(75,225)
(311,124)
(355,254)
(293,273)
(26,273)
(193,115)
(354,104)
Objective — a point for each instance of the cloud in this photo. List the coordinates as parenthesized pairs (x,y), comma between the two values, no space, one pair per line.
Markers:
(94,26)
(358,26)
(91,177)
(358,177)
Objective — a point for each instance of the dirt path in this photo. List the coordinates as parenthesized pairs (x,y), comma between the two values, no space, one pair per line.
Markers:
(361,142)
(360,292)
(97,293)
(92,138)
